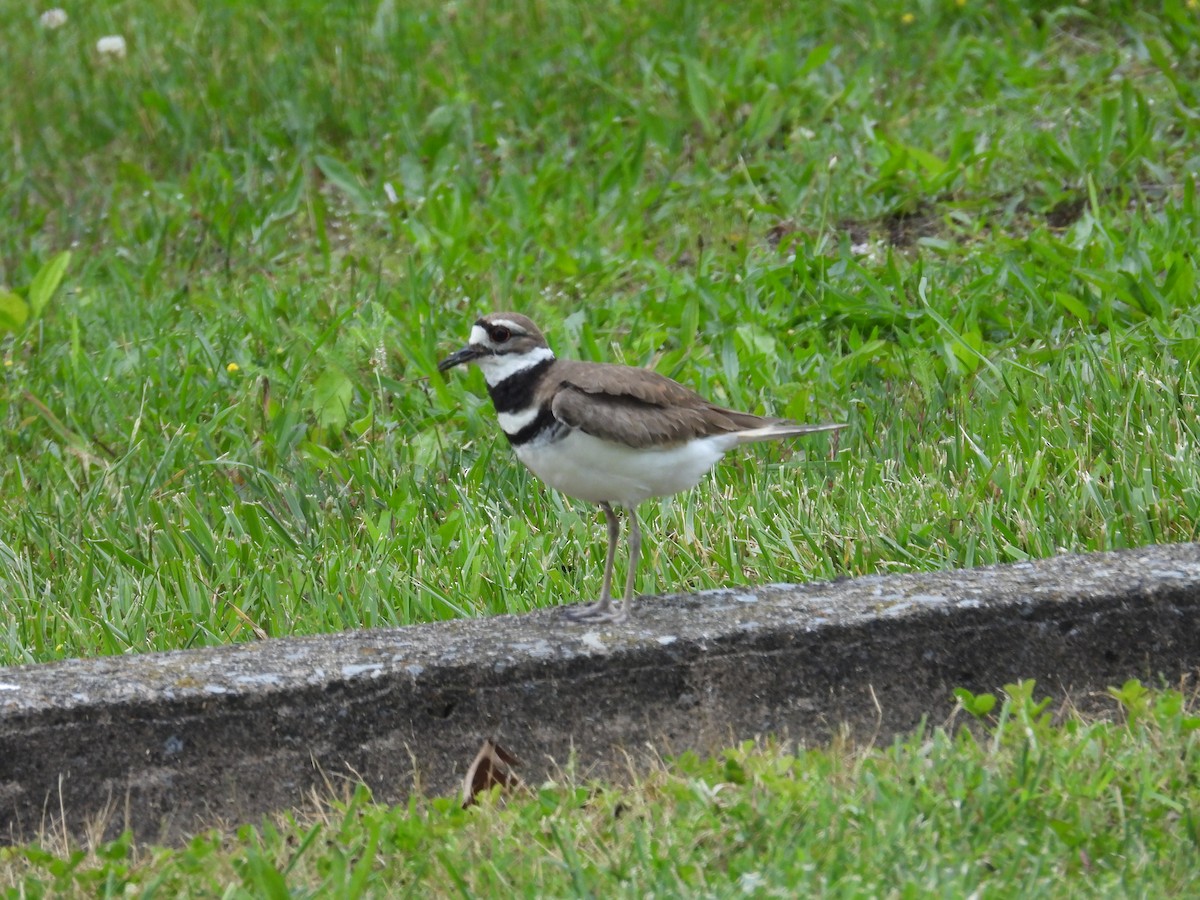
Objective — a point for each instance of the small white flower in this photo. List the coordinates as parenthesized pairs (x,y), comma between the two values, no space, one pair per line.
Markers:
(111,45)
(750,882)
(872,251)
(53,18)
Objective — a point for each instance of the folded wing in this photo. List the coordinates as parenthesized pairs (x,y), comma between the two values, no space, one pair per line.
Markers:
(640,407)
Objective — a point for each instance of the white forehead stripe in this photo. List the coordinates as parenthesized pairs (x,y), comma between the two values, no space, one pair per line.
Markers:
(498,368)
(478,335)
(510,325)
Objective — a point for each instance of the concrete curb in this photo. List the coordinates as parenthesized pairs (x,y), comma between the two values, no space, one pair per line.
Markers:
(167,743)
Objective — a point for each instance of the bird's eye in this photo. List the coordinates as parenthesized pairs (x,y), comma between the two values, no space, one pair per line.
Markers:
(500,334)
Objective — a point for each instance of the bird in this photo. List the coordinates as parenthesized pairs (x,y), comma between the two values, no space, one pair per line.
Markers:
(609,434)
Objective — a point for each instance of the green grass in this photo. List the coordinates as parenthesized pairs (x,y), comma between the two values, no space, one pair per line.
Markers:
(1025,803)
(967,230)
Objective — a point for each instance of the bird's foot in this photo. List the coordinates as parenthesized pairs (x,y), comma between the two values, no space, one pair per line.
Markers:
(598,613)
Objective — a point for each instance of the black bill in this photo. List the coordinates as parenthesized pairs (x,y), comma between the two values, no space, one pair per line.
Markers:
(465,355)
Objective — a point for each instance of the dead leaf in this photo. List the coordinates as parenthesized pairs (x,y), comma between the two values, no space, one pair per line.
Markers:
(492,766)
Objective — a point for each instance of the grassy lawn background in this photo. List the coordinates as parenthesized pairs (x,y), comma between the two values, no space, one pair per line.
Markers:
(967,229)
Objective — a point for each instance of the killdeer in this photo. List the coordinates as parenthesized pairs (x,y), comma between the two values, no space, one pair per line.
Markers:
(605,433)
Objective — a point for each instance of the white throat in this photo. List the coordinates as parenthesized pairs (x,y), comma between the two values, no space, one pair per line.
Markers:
(500,368)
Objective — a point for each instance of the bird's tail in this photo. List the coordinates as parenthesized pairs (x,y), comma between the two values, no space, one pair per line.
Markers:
(781,430)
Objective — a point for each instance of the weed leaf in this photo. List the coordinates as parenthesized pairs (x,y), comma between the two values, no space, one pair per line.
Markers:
(13,311)
(331,399)
(344,180)
(46,282)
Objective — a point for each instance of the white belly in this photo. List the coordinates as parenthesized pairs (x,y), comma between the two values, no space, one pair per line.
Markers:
(590,469)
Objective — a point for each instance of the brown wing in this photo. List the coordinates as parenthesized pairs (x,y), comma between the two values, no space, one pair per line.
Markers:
(639,407)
